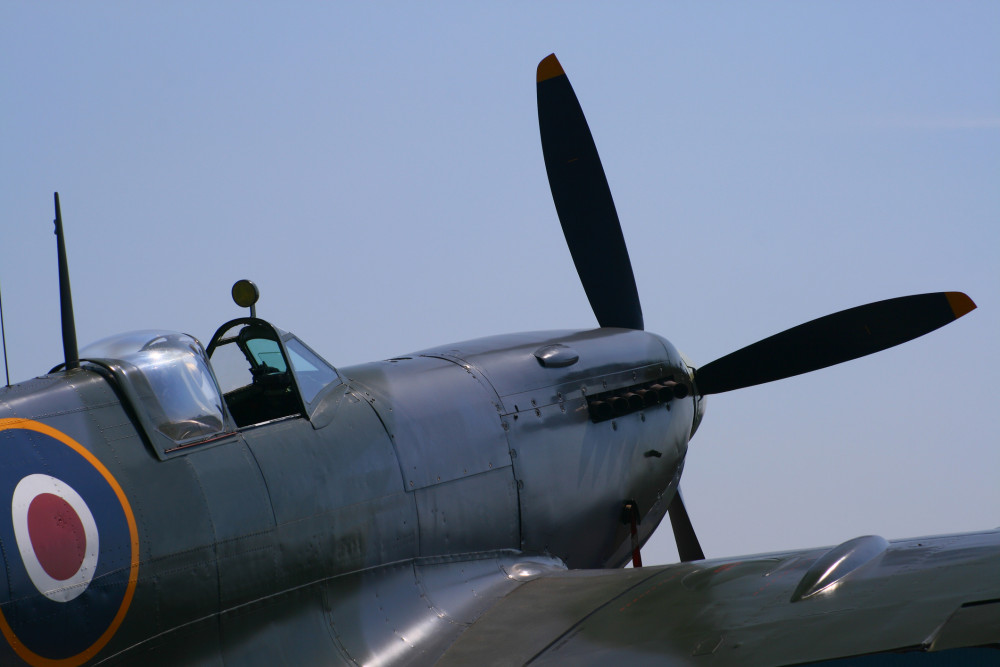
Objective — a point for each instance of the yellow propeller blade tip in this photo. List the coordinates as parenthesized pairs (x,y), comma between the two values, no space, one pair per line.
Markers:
(960,303)
(549,68)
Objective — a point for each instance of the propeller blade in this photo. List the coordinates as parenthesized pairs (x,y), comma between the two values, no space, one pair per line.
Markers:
(688,547)
(831,340)
(583,201)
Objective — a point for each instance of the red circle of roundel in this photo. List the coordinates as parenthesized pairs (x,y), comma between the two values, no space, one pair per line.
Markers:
(57,536)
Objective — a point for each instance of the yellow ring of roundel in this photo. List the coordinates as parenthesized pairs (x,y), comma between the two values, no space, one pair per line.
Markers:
(29,656)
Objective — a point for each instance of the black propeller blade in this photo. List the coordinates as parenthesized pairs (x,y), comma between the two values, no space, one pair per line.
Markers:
(688,547)
(831,340)
(583,201)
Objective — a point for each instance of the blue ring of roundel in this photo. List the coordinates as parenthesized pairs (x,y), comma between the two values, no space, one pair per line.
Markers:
(61,630)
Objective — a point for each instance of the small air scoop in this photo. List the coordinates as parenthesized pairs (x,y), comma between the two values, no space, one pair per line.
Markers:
(556,356)
(832,567)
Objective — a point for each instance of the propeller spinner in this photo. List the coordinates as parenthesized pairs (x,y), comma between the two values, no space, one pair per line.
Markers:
(593,233)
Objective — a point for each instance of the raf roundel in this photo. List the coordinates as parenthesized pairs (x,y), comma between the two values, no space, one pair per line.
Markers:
(71,545)
(57,536)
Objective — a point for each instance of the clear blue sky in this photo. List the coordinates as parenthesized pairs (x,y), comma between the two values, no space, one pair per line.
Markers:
(376,169)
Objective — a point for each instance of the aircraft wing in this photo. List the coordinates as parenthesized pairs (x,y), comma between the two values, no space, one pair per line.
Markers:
(926,601)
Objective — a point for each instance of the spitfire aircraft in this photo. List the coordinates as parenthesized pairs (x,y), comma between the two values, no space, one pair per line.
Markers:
(247,503)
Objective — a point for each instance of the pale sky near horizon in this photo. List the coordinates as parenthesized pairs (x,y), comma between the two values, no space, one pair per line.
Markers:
(376,169)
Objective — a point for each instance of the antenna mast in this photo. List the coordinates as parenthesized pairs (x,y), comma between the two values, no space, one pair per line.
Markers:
(3,337)
(65,297)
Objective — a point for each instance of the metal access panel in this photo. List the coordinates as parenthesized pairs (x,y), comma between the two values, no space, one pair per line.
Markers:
(336,493)
(470,514)
(242,519)
(574,475)
(443,417)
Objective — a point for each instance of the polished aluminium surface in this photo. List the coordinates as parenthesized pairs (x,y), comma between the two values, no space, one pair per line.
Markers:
(420,458)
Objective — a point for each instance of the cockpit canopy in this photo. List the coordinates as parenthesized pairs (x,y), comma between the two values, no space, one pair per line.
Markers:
(253,373)
(168,379)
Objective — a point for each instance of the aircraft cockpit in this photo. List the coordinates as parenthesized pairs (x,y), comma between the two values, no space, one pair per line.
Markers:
(251,374)
(265,373)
